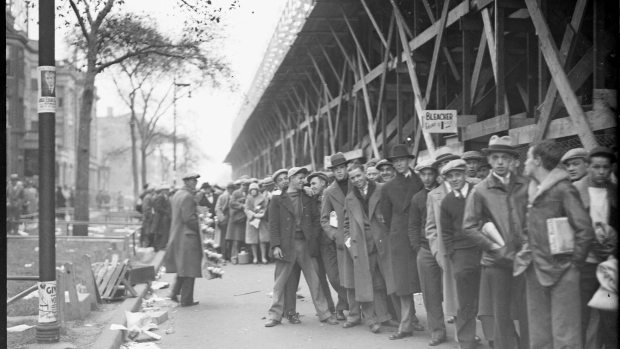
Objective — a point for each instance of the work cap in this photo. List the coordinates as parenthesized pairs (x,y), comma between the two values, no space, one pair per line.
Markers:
(337,159)
(472,155)
(268,181)
(238,182)
(191,175)
(317,174)
(372,162)
(254,186)
(164,186)
(425,164)
(254,180)
(603,151)
(384,162)
(400,151)
(574,154)
(231,185)
(444,154)
(277,173)
(244,177)
(500,145)
(295,170)
(454,165)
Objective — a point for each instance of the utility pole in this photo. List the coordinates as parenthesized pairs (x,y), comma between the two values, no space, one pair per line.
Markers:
(47,328)
(174,130)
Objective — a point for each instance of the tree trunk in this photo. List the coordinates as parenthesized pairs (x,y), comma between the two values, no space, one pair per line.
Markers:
(134,154)
(143,158)
(83,150)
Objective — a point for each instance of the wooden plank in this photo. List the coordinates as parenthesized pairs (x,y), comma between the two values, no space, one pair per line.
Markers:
(108,273)
(386,57)
(438,43)
(371,127)
(445,50)
(74,302)
(466,120)
(550,52)
(329,60)
(501,100)
(357,43)
(600,119)
(565,54)
(61,315)
(91,285)
(344,52)
(487,127)
(467,55)
(488,31)
(478,67)
(374,23)
(119,273)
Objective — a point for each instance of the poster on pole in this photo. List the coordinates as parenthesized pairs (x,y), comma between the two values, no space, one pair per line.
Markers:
(47,89)
(47,301)
(439,121)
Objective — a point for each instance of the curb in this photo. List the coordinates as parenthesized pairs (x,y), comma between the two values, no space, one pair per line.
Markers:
(113,339)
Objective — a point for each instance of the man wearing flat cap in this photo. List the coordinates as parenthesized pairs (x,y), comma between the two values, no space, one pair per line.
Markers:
(184,250)
(332,221)
(237,222)
(575,161)
(428,268)
(473,159)
(462,252)
(500,201)
(599,196)
(222,210)
(443,156)
(396,198)
(294,227)
(386,169)
(328,260)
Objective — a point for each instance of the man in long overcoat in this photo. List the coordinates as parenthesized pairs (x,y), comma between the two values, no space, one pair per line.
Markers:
(237,221)
(332,221)
(395,200)
(161,217)
(184,250)
(367,240)
(222,212)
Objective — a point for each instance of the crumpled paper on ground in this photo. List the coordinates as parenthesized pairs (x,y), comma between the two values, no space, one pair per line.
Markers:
(138,322)
(136,345)
(19,328)
(158,285)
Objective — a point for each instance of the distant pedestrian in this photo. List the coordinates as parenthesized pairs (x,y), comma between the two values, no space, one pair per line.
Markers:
(61,203)
(257,229)
(31,198)
(184,249)
(161,217)
(14,203)
(222,211)
(147,217)
(120,202)
(236,224)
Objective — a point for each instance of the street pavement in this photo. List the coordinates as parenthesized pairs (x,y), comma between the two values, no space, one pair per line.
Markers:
(233,310)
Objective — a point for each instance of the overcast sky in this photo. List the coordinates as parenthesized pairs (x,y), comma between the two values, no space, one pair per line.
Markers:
(209,114)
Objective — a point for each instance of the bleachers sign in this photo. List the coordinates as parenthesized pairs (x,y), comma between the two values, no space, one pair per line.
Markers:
(439,121)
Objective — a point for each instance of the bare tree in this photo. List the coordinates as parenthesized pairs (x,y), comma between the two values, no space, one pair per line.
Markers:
(107,39)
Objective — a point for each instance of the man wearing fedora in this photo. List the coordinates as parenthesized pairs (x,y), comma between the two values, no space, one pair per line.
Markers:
(575,161)
(332,221)
(184,249)
(328,260)
(462,252)
(386,169)
(499,201)
(428,268)
(396,198)
(443,156)
(294,227)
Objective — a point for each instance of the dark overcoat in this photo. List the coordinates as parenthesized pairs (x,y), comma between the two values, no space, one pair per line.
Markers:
(354,228)
(184,250)
(162,218)
(395,200)
(236,204)
(282,224)
(333,200)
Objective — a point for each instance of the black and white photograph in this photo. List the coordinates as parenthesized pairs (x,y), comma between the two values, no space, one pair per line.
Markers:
(312,174)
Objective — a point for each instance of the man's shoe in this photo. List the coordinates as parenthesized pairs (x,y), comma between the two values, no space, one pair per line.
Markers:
(331,320)
(294,319)
(391,323)
(417,327)
(173,298)
(375,328)
(189,304)
(272,323)
(436,341)
(401,335)
(340,315)
(350,324)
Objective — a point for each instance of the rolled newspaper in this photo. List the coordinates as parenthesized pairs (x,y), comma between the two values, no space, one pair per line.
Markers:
(492,233)
(333,219)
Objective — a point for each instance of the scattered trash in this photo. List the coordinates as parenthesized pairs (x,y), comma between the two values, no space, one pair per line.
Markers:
(243,294)
(22,233)
(136,345)
(71,250)
(28,265)
(264,318)
(158,285)
(169,331)
(19,328)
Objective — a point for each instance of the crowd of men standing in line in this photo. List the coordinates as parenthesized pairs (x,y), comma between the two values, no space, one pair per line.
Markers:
(475,242)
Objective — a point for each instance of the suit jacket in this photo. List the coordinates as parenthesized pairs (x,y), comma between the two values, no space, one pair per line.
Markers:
(203,201)
(282,224)
(354,228)
(395,201)
(333,200)
(222,209)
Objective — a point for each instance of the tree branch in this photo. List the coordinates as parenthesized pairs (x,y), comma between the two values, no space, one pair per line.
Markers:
(80,21)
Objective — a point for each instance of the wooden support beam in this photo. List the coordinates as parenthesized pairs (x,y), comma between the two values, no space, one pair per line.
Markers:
(338,108)
(371,123)
(550,52)
(468,42)
(344,51)
(438,43)
(357,43)
(329,60)
(374,23)
(445,50)
(386,57)
(420,104)
(477,67)
(488,31)
(316,66)
(501,100)
(487,127)
(332,136)
(565,54)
